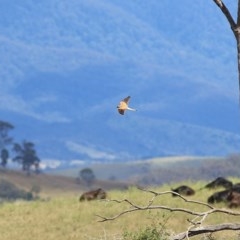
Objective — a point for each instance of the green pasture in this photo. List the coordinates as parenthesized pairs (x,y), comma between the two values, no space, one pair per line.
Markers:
(65,218)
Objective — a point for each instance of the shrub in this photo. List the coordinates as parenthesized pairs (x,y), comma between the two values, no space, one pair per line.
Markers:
(152,232)
(8,191)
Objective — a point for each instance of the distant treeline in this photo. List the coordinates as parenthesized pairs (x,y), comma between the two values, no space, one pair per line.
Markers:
(208,169)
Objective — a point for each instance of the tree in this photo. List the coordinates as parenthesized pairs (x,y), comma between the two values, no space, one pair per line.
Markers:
(26,156)
(4,129)
(87,175)
(4,157)
(4,141)
(235,26)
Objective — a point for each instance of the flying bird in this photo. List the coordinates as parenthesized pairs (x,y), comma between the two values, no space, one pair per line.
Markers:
(123,105)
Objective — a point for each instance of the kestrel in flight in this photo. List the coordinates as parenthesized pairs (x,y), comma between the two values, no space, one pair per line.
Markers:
(123,105)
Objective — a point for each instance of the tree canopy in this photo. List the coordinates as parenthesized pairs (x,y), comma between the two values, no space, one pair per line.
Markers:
(26,155)
(87,175)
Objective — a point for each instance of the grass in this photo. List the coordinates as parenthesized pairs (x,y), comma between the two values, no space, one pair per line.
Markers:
(65,218)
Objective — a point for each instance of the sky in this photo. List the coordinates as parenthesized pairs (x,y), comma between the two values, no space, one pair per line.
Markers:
(66,65)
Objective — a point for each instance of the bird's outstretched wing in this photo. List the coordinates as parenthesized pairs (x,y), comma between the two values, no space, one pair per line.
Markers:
(126,100)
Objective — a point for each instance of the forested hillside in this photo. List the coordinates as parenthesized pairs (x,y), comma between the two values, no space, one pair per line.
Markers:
(158,171)
(200,170)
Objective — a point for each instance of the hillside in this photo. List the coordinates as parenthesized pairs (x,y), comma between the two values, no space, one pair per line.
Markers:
(51,185)
(162,170)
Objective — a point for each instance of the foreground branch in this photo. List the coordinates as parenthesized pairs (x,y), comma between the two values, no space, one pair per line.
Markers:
(150,206)
(207,229)
(195,227)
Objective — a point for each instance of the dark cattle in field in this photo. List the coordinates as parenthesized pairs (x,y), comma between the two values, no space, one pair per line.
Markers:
(233,199)
(183,190)
(219,182)
(219,197)
(93,195)
(236,187)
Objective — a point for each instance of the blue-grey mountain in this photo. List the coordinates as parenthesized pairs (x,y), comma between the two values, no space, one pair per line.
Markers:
(66,64)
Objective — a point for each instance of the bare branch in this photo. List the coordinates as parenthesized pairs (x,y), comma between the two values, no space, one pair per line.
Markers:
(228,15)
(150,206)
(195,227)
(177,194)
(207,229)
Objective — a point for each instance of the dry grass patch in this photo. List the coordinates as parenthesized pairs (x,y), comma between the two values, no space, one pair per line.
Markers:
(65,218)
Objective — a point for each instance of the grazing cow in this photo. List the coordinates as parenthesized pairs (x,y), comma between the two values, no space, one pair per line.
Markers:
(183,190)
(236,187)
(233,199)
(219,197)
(93,195)
(219,182)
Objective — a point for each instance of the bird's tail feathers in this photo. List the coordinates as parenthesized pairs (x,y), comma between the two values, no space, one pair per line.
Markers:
(131,109)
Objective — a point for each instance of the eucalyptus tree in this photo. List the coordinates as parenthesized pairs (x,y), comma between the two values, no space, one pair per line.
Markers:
(87,175)
(26,156)
(4,157)
(5,140)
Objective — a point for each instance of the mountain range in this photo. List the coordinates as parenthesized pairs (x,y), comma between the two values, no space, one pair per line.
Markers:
(65,66)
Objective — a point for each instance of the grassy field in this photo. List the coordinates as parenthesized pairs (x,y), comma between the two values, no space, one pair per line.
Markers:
(63,217)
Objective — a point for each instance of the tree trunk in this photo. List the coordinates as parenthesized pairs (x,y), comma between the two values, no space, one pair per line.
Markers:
(238,60)
(235,26)
(237,35)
